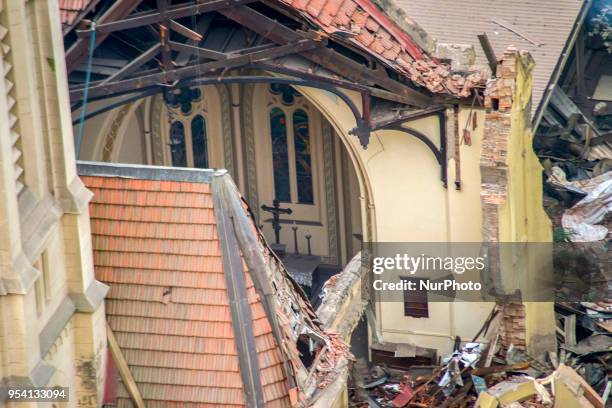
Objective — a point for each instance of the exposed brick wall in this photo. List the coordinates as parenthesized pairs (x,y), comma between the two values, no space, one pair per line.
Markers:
(513,326)
(499,97)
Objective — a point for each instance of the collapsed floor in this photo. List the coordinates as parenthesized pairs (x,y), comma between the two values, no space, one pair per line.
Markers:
(479,375)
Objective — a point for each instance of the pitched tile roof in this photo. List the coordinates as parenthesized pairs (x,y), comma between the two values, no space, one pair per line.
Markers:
(373,31)
(541,27)
(156,245)
(157,242)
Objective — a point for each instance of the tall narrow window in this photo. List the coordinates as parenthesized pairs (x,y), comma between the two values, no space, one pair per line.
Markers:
(415,301)
(199,143)
(303,162)
(280,155)
(177,144)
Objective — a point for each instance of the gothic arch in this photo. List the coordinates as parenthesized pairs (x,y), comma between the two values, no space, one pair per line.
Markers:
(248,96)
(215,104)
(318,98)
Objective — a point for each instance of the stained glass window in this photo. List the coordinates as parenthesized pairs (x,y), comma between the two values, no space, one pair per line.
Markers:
(199,142)
(303,162)
(287,92)
(280,155)
(177,144)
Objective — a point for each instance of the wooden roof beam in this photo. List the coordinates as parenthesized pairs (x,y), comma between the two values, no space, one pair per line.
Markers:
(341,83)
(154,17)
(167,77)
(326,57)
(78,51)
(134,64)
(185,31)
(199,51)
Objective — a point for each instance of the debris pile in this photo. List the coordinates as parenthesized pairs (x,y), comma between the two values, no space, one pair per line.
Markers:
(575,147)
(325,372)
(483,374)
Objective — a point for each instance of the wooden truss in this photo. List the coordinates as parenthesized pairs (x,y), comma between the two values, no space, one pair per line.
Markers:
(276,41)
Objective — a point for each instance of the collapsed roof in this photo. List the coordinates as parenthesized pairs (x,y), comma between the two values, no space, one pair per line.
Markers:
(351,40)
(201,309)
(543,28)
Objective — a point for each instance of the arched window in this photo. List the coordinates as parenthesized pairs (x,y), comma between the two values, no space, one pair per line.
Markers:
(177,144)
(303,162)
(291,148)
(280,155)
(199,142)
(188,136)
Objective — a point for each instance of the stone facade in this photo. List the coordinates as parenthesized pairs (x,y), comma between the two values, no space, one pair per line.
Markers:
(52,328)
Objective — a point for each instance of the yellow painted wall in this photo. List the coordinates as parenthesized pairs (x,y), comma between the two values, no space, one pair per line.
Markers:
(401,182)
(522,217)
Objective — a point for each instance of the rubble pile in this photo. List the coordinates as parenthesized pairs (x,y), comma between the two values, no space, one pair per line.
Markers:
(325,371)
(574,144)
(483,374)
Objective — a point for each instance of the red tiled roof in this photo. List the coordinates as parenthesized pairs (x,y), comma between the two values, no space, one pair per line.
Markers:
(369,29)
(541,27)
(71,9)
(156,245)
(373,31)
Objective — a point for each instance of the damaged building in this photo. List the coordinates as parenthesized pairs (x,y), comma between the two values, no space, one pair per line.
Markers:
(207,178)
(199,310)
(339,124)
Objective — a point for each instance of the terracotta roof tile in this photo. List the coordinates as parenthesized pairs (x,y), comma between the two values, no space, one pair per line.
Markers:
(153,229)
(153,214)
(369,28)
(179,295)
(156,245)
(153,277)
(70,10)
(210,313)
(212,362)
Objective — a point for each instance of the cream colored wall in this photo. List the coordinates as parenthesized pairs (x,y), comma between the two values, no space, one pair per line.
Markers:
(131,146)
(406,202)
(47,288)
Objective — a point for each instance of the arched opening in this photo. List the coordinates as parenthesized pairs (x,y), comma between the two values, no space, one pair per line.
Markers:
(297,165)
(279,143)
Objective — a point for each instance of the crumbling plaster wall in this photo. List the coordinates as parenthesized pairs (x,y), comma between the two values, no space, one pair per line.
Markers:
(512,201)
(344,300)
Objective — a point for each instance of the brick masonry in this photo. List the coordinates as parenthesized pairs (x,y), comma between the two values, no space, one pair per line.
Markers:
(499,98)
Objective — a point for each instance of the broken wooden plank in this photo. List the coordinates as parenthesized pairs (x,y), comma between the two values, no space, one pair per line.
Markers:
(571,390)
(124,369)
(185,31)
(488,51)
(579,64)
(569,328)
(563,105)
(134,64)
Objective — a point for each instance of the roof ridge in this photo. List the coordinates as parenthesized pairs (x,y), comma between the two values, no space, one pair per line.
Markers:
(148,172)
